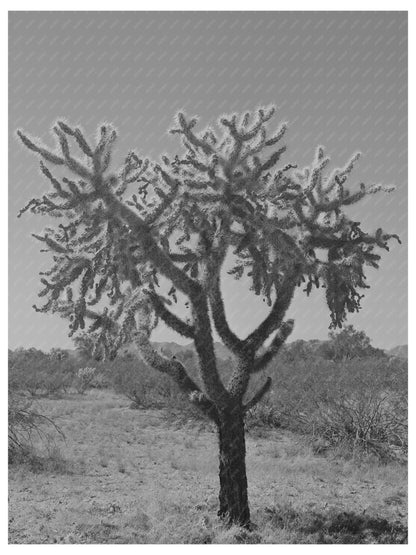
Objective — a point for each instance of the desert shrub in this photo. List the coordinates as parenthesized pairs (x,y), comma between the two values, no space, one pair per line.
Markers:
(39,373)
(85,378)
(100,380)
(362,422)
(25,424)
(57,378)
(299,350)
(142,385)
(27,370)
(348,344)
(360,404)
(146,388)
(263,414)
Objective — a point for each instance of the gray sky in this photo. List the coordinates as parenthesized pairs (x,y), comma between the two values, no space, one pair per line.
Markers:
(338,78)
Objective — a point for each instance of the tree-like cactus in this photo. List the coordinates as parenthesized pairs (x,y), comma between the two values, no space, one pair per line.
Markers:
(121,233)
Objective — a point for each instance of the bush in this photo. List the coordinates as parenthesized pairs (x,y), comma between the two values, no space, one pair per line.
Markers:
(39,373)
(85,378)
(363,422)
(348,344)
(148,388)
(263,414)
(358,404)
(24,422)
(145,387)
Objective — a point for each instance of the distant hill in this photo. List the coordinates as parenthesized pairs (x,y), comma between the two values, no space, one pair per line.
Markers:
(314,345)
(401,351)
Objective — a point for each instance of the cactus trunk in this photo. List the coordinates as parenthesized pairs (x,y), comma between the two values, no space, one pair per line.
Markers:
(233,479)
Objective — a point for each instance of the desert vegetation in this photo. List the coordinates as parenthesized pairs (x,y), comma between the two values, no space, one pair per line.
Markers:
(331,443)
(356,406)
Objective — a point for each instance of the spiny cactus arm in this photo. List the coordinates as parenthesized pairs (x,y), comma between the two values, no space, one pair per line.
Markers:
(51,243)
(44,152)
(238,383)
(220,178)
(319,201)
(102,186)
(238,147)
(251,140)
(261,361)
(204,346)
(185,129)
(229,338)
(153,218)
(144,237)
(94,315)
(133,171)
(346,198)
(182,257)
(104,329)
(275,317)
(243,133)
(353,236)
(172,367)
(72,199)
(142,230)
(248,364)
(72,163)
(169,318)
(79,195)
(258,396)
(65,157)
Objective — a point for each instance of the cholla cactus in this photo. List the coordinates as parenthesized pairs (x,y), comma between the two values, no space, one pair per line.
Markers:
(85,377)
(121,232)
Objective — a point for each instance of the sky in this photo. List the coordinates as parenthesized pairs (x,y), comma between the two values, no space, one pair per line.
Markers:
(338,78)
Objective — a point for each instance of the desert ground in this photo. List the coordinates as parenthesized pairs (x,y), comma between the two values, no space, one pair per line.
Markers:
(151,476)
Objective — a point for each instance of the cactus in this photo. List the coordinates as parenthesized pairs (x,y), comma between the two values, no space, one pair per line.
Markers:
(121,233)
(85,377)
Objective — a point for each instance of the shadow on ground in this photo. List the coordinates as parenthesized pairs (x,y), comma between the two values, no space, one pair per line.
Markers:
(333,527)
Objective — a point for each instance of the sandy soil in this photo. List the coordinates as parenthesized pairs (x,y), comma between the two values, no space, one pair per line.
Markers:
(143,476)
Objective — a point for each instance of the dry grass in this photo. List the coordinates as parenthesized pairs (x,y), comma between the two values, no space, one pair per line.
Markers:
(137,476)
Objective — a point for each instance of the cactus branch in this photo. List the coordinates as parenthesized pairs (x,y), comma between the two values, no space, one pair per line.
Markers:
(220,321)
(282,334)
(258,396)
(169,318)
